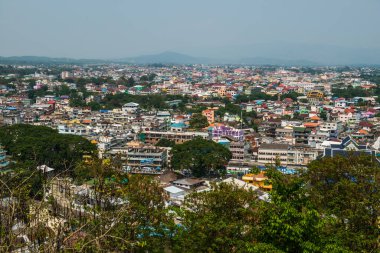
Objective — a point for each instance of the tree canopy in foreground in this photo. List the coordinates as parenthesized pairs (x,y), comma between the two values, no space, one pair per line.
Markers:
(331,207)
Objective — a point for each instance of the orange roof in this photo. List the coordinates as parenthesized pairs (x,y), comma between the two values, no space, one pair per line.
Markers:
(215,125)
(310,124)
(315,117)
(362,131)
(256,177)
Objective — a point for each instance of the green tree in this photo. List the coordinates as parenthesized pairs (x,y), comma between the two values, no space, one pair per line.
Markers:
(130,82)
(146,221)
(228,108)
(323,115)
(76,100)
(350,92)
(129,212)
(201,157)
(198,121)
(296,115)
(293,95)
(18,190)
(38,145)
(220,220)
(95,106)
(165,143)
(62,90)
(288,221)
(346,190)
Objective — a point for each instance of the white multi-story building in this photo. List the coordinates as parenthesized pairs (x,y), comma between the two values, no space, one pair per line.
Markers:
(269,153)
(286,155)
(74,129)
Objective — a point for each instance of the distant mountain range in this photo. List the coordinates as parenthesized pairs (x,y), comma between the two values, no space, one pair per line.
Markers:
(46,60)
(288,56)
(163,58)
(177,58)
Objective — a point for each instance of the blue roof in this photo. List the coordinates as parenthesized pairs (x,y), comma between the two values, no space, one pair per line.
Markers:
(179,125)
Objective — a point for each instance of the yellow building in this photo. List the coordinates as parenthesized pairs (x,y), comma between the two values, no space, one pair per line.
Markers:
(315,94)
(259,180)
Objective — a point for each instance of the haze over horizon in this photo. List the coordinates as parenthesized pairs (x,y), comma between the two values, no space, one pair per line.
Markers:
(341,31)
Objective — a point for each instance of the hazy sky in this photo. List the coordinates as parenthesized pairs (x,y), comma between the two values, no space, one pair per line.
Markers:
(122,28)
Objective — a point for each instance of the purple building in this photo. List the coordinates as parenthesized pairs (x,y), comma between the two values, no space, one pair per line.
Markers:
(225,131)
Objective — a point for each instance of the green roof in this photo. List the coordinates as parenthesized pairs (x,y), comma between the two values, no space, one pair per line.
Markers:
(299,129)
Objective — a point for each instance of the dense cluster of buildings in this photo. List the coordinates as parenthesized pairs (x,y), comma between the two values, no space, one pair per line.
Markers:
(296,118)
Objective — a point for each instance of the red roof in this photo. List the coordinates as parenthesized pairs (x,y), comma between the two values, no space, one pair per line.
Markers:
(365,124)
(371,110)
(347,110)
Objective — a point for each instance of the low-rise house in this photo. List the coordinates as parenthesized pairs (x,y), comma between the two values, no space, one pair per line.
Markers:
(301,156)
(347,146)
(130,107)
(258,180)
(285,135)
(189,183)
(301,135)
(178,127)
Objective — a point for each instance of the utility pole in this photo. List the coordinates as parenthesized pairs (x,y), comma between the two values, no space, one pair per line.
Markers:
(241,119)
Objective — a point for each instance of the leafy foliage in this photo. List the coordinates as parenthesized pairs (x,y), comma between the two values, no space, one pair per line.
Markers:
(140,222)
(288,221)
(241,98)
(221,220)
(347,191)
(350,92)
(198,121)
(152,101)
(165,143)
(37,145)
(201,157)
(333,206)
